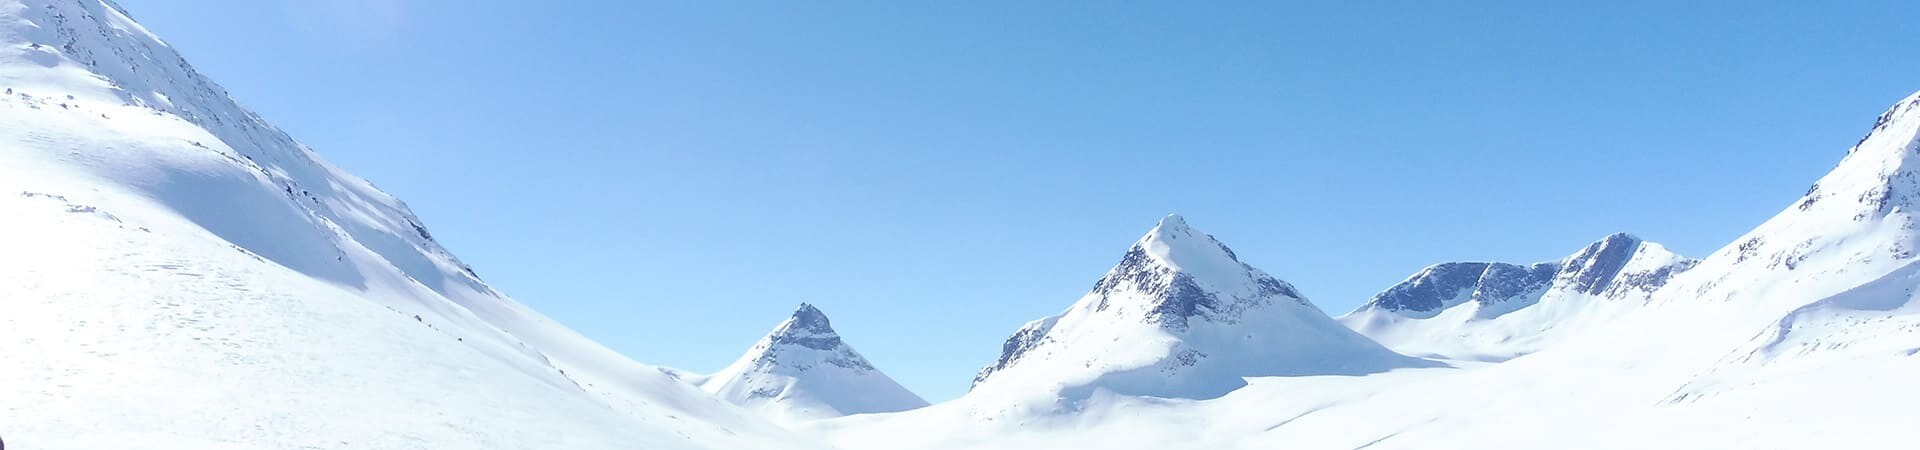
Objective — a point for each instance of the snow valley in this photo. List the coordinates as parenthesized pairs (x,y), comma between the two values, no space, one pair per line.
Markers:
(176,272)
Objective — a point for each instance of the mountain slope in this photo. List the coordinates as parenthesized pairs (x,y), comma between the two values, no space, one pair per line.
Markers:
(802,370)
(1831,277)
(1496,311)
(169,207)
(1800,334)
(1180,316)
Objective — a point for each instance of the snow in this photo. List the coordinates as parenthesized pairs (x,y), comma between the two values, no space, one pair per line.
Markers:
(179,273)
(803,370)
(175,272)
(1801,334)
(1179,317)
(1505,310)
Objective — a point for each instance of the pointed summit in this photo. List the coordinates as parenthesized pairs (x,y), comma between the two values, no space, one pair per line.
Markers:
(1172,222)
(803,370)
(1177,245)
(1174,273)
(1594,267)
(807,322)
(1179,316)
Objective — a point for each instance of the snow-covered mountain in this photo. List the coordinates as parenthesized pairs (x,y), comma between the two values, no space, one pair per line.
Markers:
(1496,311)
(1180,316)
(803,370)
(175,272)
(1803,333)
(179,273)
(1832,277)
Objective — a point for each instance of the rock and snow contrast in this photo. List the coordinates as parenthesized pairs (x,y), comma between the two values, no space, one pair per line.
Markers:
(1180,316)
(1491,311)
(175,272)
(803,370)
(178,273)
(1803,333)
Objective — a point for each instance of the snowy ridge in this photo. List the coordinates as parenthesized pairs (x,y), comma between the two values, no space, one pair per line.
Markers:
(99,115)
(1828,282)
(803,370)
(1495,311)
(1180,316)
(1854,223)
(197,279)
(1799,334)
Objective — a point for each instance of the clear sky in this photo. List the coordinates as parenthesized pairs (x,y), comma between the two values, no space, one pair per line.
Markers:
(672,178)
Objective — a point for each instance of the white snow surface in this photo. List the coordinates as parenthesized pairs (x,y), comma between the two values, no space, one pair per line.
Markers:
(178,273)
(1508,310)
(1179,317)
(803,370)
(1803,333)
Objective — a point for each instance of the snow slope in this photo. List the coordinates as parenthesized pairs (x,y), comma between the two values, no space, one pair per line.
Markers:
(1497,311)
(1181,317)
(802,370)
(1800,334)
(180,273)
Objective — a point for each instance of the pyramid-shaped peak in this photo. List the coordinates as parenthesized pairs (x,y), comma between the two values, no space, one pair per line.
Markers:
(803,370)
(1173,227)
(1180,316)
(809,318)
(1172,222)
(1174,243)
(807,327)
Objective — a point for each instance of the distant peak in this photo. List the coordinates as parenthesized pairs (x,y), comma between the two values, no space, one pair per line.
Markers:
(1895,129)
(1617,247)
(809,315)
(1172,222)
(807,327)
(1618,238)
(1172,241)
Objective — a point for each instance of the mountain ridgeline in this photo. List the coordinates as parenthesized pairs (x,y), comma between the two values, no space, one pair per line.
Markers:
(180,273)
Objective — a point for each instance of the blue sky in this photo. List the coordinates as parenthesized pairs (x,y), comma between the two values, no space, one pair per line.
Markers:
(672,178)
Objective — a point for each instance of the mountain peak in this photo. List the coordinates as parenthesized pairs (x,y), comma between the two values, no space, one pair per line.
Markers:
(803,369)
(1175,272)
(1878,175)
(1595,266)
(1179,316)
(809,318)
(1898,125)
(807,327)
(1477,310)
(1172,222)
(1619,239)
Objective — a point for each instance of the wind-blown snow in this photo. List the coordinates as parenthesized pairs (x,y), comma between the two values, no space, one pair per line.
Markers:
(179,273)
